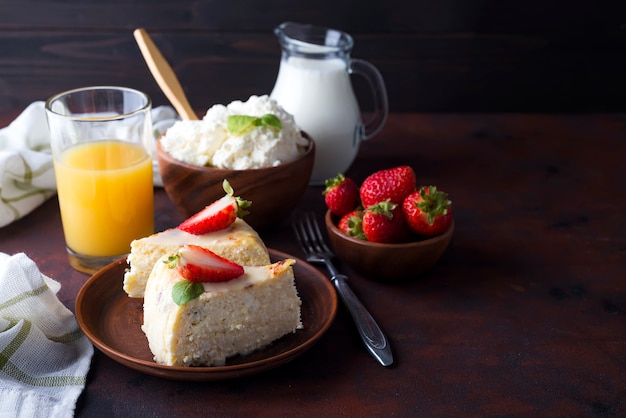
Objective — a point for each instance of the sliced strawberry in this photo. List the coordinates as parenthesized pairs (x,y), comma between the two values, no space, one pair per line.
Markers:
(218,215)
(198,264)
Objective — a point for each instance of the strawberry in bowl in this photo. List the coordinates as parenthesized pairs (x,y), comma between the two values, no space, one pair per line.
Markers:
(396,230)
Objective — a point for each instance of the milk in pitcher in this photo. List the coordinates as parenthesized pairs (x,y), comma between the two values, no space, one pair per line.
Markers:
(318,93)
(314,85)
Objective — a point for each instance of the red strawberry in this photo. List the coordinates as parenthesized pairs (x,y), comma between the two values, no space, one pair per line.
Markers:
(341,194)
(198,264)
(351,224)
(428,211)
(394,184)
(384,222)
(218,215)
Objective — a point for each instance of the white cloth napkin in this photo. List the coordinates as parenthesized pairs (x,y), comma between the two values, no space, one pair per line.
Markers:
(44,356)
(26,170)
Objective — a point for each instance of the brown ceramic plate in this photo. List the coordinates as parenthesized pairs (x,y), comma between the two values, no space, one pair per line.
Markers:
(112,321)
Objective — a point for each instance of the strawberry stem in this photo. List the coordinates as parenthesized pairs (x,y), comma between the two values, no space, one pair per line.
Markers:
(227,188)
(242,204)
(172,260)
(332,182)
(355,227)
(434,203)
(383,208)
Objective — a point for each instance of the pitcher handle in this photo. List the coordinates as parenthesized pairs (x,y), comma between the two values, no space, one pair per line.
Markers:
(379,92)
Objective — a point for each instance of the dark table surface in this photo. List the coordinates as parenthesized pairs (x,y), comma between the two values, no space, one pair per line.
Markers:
(524,315)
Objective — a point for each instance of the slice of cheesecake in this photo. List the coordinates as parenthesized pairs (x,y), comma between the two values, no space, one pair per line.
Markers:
(239,243)
(229,318)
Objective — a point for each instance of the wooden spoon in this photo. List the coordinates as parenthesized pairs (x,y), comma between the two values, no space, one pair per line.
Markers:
(164,75)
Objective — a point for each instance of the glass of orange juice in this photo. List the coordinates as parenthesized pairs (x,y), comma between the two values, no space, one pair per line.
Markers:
(101,139)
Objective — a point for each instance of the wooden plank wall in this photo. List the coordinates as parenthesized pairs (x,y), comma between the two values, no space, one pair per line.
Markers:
(435,55)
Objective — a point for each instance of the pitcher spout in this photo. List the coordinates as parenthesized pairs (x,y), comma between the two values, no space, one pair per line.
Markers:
(299,39)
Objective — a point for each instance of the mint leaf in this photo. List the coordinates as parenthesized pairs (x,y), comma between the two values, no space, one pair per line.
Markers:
(271,120)
(241,124)
(184,291)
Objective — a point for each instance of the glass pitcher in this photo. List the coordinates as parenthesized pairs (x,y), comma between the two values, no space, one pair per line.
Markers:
(314,85)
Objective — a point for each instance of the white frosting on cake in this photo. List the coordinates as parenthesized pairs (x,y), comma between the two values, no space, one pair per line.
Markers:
(239,243)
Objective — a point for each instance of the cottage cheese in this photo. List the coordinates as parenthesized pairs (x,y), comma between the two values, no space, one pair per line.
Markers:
(208,143)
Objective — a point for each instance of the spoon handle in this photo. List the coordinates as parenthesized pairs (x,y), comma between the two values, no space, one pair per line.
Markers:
(164,75)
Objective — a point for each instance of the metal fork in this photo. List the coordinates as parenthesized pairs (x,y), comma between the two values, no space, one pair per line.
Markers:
(312,241)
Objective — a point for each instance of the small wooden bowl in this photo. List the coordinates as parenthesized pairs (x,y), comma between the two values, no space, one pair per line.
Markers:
(273,191)
(386,262)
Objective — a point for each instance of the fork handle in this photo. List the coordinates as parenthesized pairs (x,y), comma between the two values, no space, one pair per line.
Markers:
(370,332)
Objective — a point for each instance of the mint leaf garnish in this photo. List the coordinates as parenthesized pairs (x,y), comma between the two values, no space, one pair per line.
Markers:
(241,124)
(271,120)
(238,125)
(184,291)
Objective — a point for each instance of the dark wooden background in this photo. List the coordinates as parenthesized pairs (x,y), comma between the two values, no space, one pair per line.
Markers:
(436,55)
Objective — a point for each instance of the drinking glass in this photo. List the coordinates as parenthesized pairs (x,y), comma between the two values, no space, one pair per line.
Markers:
(101,140)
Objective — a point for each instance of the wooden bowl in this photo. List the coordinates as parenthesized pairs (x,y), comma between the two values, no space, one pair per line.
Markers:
(386,262)
(273,191)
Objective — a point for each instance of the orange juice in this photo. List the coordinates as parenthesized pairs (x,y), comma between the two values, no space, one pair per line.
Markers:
(105,196)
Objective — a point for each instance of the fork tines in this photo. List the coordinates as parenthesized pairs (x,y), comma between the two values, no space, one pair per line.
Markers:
(309,235)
